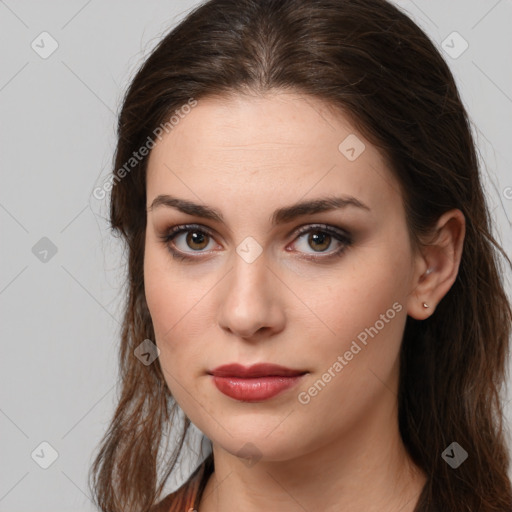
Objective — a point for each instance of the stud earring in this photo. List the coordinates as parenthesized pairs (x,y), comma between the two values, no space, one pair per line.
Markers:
(425,305)
(429,271)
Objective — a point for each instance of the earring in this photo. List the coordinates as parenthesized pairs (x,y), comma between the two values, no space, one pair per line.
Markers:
(425,305)
(428,271)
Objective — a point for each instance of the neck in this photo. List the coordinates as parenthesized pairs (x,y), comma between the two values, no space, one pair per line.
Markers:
(367,469)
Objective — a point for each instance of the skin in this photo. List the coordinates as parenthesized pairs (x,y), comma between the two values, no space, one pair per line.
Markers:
(247,156)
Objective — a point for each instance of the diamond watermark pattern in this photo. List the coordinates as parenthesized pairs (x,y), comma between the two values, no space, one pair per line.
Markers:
(147,352)
(44,455)
(352,147)
(250,454)
(455,45)
(249,250)
(454,455)
(44,250)
(44,45)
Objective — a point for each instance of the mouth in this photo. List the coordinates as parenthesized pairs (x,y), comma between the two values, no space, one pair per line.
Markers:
(254,383)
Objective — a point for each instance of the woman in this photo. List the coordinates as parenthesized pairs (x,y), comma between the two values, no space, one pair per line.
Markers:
(313,279)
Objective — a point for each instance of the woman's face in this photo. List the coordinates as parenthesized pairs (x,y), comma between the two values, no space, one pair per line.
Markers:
(329,302)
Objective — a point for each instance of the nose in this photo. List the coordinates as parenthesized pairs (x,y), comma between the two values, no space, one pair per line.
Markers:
(250,305)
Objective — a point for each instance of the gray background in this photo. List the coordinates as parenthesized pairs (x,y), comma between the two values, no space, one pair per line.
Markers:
(61,312)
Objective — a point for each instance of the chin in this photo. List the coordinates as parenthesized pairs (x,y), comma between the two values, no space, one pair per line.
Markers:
(266,440)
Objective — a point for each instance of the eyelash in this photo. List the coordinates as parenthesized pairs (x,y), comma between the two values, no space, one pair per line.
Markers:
(341,236)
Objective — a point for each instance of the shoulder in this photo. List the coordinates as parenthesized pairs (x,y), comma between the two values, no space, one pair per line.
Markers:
(187,496)
(177,500)
(181,500)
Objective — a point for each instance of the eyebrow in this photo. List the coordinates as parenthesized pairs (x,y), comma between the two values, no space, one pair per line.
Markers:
(280,216)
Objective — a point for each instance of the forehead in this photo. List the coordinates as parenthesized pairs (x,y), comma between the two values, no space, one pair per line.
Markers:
(274,148)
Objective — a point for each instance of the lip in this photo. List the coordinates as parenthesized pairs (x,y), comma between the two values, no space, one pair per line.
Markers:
(254,383)
(256,370)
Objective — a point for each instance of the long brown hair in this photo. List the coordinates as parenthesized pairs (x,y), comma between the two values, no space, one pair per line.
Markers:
(369,59)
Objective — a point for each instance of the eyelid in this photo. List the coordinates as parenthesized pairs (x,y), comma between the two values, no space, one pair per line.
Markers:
(304,228)
(342,236)
(187,227)
(171,233)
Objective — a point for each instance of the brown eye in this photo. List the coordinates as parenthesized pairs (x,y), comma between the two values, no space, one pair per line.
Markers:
(319,241)
(185,239)
(197,240)
(322,239)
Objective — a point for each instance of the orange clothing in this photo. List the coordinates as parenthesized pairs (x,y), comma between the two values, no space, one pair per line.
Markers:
(187,497)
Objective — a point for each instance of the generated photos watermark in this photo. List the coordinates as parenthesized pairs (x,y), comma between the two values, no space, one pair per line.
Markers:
(304,397)
(143,151)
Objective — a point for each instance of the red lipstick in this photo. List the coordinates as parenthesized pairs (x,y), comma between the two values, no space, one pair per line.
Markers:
(254,383)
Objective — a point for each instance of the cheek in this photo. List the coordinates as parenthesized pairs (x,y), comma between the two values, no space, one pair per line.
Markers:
(357,365)
(179,309)
(363,315)
(170,313)
(168,299)
(365,288)
(170,294)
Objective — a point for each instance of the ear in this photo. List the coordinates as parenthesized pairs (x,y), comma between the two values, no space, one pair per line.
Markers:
(437,264)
